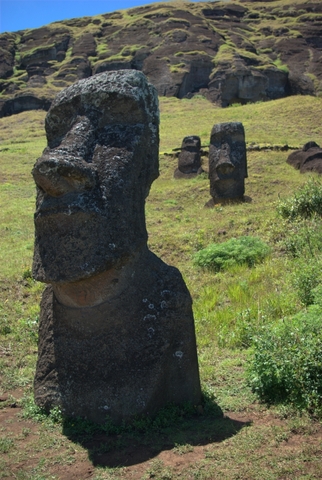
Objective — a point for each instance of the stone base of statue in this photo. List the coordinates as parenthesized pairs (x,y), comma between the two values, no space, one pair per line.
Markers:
(128,356)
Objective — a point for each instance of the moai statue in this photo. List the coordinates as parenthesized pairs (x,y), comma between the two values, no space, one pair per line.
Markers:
(227,162)
(307,159)
(189,160)
(116,333)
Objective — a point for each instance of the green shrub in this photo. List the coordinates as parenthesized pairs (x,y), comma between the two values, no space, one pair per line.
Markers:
(305,203)
(236,251)
(303,237)
(286,362)
(306,277)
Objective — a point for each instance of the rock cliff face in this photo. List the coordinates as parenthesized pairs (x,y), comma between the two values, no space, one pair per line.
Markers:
(229,52)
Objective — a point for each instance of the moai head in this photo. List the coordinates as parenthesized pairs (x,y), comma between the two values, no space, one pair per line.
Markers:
(227,161)
(189,157)
(308,159)
(94,176)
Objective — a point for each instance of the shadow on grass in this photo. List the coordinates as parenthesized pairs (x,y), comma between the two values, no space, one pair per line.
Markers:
(126,445)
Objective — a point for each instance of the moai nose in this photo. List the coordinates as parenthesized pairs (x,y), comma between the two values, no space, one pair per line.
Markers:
(57,176)
(225,165)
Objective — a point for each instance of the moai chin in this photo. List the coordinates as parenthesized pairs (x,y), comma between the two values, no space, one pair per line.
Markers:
(227,161)
(116,333)
(189,160)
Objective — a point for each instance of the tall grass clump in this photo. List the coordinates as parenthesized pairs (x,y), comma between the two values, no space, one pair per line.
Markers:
(286,363)
(306,276)
(236,251)
(302,237)
(305,203)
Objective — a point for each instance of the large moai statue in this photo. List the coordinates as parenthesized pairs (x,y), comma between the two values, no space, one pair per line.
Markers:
(227,161)
(189,160)
(116,333)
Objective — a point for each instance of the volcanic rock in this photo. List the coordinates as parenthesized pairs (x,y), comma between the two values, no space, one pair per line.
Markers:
(189,160)
(308,159)
(227,161)
(116,332)
(229,53)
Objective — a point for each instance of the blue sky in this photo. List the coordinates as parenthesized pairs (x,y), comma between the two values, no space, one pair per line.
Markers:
(22,14)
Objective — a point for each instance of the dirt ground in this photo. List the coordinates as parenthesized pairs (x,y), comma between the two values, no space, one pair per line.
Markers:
(37,448)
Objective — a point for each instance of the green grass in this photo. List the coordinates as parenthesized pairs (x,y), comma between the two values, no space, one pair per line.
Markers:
(292,121)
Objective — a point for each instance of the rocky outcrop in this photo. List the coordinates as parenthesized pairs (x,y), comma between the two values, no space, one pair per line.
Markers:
(229,52)
(23,103)
(7,55)
(245,85)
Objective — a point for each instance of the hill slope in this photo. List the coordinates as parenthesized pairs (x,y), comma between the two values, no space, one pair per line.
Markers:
(229,52)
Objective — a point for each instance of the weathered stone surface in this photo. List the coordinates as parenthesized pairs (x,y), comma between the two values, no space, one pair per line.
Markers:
(229,53)
(227,161)
(244,84)
(23,103)
(189,160)
(85,45)
(308,159)
(7,54)
(116,333)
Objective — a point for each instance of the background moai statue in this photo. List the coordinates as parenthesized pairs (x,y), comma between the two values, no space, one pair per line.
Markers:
(227,161)
(307,159)
(116,333)
(189,160)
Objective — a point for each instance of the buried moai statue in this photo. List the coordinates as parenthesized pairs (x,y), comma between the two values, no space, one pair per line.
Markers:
(116,333)
(189,160)
(227,162)
(307,159)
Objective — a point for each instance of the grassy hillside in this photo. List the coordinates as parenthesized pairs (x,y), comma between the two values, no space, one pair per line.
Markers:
(252,441)
(230,51)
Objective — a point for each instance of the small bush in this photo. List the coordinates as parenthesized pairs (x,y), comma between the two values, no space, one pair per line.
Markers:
(286,362)
(236,251)
(303,237)
(306,277)
(305,203)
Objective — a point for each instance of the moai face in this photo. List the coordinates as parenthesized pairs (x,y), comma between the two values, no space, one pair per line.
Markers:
(94,176)
(189,158)
(227,161)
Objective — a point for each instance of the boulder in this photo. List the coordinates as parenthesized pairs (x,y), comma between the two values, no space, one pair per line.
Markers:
(307,159)
(116,332)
